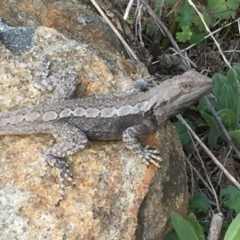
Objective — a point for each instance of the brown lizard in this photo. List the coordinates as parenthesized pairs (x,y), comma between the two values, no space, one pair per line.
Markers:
(125,115)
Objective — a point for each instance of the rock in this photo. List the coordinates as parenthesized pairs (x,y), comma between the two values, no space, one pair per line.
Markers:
(116,195)
(72,19)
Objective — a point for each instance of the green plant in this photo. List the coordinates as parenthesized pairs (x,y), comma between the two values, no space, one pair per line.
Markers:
(231,198)
(226,101)
(187,228)
(183,134)
(190,229)
(199,203)
(192,28)
(233,231)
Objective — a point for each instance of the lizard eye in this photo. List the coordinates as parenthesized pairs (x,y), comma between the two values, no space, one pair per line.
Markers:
(186,85)
(165,102)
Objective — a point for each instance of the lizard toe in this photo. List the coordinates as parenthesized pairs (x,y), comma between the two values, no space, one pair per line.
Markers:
(150,156)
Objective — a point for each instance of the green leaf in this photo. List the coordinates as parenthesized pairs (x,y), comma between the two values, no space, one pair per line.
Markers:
(213,137)
(214,132)
(203,107)
(152,28)
(229,118)
(171,236)
(233,4)
(235,135)
(157,8)
(170,2)
(236,69)
(210,121)
(199,202)
(197,37)
(225,14)
(233,232)
(232,77)
(219,80)
(186,15)
(129,21)
(196,226)
(200,24)
(183,228)
(223,9)
(226,91)
(183,134)
(231,198)
(224,101)
(217,6)
(234,99)
(185,35)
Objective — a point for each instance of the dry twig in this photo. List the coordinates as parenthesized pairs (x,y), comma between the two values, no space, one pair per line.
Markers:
(128,49)
(209,153)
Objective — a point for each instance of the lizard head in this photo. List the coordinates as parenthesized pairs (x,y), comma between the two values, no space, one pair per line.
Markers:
(179,92)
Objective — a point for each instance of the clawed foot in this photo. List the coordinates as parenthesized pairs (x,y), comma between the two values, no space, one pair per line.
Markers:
(150,155)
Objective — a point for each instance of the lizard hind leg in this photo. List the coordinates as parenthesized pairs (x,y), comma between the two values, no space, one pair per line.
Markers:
(71,140)
(130,138)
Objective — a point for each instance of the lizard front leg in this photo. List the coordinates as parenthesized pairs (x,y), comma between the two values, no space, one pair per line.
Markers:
(130,138)
(71,140)
(54,76)
(142,84)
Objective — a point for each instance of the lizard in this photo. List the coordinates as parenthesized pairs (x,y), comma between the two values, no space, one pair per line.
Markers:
(125,115)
